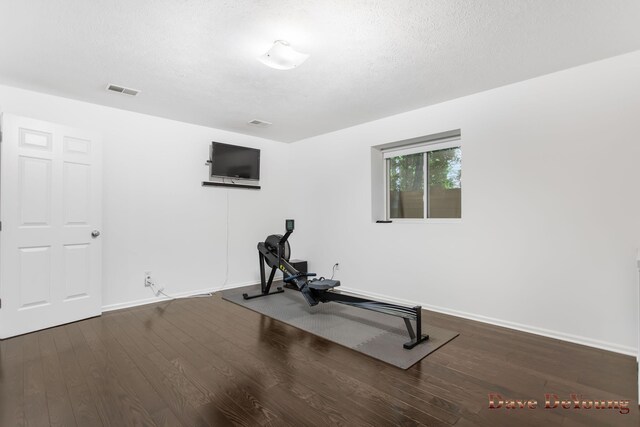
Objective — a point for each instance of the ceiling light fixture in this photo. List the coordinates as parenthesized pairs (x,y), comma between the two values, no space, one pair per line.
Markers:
(282,56)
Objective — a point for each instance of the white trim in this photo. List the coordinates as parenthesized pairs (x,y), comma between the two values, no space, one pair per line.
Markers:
(426,220)
(426,206)
(385,188)
(440,136)
(638,353)
(145,301)
(576,339)
(423,148)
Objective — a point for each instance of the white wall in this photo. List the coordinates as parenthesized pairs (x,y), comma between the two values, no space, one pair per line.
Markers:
(157,216)
(551,208)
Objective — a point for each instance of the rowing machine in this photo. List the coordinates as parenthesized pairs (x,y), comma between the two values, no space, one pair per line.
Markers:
(275,251)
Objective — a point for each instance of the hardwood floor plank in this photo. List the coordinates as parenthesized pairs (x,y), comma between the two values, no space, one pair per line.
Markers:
(35,398)
(57,395)
(12,406)
(166,418)
(218,391)
(171,396)
(116,406)
(177,371)
(81,399)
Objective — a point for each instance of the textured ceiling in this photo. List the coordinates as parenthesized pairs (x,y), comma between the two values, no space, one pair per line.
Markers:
(195,60)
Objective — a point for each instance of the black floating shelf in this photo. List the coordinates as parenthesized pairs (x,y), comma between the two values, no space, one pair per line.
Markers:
(224,184)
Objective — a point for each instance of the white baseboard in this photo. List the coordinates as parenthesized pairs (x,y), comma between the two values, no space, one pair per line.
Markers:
(617,348)
(152,300)
(576,339)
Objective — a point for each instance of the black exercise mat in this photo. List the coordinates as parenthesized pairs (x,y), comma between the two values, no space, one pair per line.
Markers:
(374,334)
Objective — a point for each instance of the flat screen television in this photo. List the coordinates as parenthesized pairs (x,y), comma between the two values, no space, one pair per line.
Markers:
(234,161)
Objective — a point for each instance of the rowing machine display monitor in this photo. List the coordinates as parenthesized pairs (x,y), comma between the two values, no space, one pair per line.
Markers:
(289,225)
(275,252)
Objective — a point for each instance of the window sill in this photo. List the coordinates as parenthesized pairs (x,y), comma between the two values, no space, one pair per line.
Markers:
(427,221)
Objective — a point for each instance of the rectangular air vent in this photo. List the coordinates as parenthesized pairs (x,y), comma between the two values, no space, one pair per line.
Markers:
(123,90)
(260,123)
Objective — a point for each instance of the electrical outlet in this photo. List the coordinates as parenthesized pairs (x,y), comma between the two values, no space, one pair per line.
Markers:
(147,279)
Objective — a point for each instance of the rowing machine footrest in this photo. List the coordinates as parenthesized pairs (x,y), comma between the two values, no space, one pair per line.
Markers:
(323,284)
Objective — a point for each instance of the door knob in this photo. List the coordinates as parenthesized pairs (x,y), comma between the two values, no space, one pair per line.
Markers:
(95,233)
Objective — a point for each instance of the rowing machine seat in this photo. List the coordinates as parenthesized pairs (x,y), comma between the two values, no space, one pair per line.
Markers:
(323,284)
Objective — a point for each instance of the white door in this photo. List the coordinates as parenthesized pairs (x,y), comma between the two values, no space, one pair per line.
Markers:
(50,204)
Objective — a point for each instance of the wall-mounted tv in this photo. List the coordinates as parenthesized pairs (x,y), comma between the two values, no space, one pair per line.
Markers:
(234,161)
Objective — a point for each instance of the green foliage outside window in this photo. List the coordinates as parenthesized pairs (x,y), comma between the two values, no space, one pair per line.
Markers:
(444,168)
(406,173)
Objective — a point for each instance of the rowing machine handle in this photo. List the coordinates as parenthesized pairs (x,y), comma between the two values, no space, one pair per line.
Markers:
(295,276)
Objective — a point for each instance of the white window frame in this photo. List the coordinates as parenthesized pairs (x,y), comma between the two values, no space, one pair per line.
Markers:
(425,147)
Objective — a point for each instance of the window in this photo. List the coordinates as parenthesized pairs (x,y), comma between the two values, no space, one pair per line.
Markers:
(424,181)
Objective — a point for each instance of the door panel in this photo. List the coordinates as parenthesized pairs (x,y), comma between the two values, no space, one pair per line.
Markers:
(30,138)
(50,202)
(76,146)
(77,188)
(35,277)
(34,176)
(77,271)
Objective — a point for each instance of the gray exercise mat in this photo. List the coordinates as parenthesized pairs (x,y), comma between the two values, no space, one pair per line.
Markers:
(375,334)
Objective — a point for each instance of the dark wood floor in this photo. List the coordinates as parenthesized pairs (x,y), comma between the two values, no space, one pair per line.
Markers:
(206,361)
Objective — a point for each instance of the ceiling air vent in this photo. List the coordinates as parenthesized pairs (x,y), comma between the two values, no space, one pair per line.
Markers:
(123,90)
(260,123)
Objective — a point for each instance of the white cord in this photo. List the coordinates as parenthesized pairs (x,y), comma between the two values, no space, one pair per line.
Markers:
(226,276)
(161,292)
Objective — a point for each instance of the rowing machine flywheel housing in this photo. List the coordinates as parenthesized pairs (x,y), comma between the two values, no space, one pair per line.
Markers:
(272,245)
